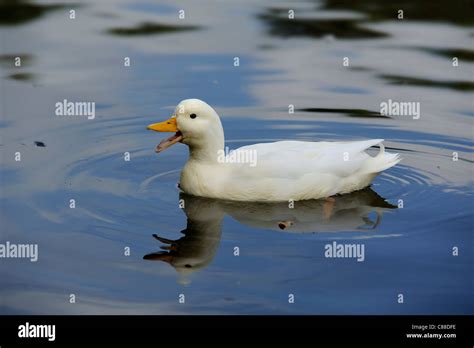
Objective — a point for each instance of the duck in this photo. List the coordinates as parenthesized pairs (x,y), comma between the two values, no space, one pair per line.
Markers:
(266,172)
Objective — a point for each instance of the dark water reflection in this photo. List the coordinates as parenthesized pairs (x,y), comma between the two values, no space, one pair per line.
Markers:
(348,112)
(148,29)
(456,12)
(410,81)
(279,25)
(464,54)
(14,12)
(409,221)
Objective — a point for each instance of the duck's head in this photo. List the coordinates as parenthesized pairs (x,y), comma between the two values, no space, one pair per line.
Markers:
(193,123)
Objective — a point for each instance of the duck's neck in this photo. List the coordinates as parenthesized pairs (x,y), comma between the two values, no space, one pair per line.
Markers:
(207,151)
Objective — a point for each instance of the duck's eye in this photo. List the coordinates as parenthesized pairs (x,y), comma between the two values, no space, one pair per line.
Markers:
(193,115)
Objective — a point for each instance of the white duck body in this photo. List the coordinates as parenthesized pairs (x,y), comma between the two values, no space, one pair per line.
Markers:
(283,171)
(288,170)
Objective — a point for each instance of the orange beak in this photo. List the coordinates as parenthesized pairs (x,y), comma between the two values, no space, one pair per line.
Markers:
(167,126)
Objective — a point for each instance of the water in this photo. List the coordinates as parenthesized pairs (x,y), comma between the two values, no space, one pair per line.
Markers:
(123,204)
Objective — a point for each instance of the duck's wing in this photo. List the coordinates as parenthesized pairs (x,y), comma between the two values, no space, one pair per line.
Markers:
(293,159)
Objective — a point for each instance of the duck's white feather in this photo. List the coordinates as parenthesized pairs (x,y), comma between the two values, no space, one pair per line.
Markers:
(294,158)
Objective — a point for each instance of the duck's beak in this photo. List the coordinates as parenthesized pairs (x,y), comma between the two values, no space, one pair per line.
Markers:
(166,257)
(167,126)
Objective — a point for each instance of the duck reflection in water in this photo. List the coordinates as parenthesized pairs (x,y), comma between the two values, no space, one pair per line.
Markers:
(196,249)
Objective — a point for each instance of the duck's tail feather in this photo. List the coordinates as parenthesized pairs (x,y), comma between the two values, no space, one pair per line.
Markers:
(382,161)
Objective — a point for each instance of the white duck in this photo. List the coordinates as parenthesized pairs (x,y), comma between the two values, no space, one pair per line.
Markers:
(282,171)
